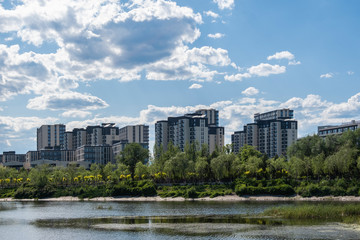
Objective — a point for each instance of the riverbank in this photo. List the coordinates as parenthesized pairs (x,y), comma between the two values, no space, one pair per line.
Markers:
(227,198)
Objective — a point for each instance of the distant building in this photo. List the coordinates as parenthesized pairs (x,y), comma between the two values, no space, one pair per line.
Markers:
(52,154)
(93,144)
(200,127)
(161,134)
(118,147)
(94,154)
(271,133)
(50,136)
(324,131)
(135,134)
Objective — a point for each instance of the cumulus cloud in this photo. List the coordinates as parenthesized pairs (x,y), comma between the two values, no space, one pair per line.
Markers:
(294,62)
(102,40)
(282,55)
(76,114)
(237,77)
(250,91)
(350,73)
(216,35)
(350,108)
(265,69)
(66,101)
(189,64)
(211,14)
(195,86)
(17,124)
(327,75)
(224,4)
(261,70)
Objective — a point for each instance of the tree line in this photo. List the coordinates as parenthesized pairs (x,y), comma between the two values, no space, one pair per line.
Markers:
(313,166)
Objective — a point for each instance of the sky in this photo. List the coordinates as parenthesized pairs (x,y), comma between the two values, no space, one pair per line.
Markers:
(83,62)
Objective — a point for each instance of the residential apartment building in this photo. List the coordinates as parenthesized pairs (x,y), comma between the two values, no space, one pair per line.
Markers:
(106,134)
(191,128)
(11,156)
(212,116)
(271,133)
(324,131)
(91,144)
(50,136)
(135,134)
(54,154)
(161,134)
(94,154)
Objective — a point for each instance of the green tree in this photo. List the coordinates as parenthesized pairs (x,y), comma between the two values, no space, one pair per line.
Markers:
(132,154)
(141,170)
(176,166)
(201,167)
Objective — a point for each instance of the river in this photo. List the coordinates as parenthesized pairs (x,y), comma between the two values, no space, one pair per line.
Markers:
(156,220)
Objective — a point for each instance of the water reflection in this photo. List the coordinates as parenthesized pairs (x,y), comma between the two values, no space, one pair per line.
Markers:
(158,220)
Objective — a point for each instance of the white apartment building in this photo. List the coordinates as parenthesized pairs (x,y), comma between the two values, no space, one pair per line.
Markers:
(190,128)
(272,133)
(50,136)
(135,134)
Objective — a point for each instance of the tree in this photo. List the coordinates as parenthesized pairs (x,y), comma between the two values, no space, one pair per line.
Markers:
(247,152)
(176,166)
(201,167)
(132,154)
(218,168)
(141,170)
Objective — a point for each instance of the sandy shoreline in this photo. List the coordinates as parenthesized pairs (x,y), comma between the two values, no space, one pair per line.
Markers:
(228,198)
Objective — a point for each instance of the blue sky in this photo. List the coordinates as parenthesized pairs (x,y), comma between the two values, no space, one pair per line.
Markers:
(135,62)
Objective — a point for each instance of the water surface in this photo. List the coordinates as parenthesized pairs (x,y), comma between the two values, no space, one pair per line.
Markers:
(157,220)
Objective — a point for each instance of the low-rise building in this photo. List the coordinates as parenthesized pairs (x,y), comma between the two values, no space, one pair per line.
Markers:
(324,131)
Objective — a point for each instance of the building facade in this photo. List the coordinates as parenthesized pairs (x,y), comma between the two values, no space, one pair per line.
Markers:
(50,136)
(271,133)
(191,128)
(94,154)
(324,131)
(93,144)
(12,156)
(135,134)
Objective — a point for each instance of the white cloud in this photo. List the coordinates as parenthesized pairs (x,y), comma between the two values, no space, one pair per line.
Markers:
(294,62)
(216,35)
(17,124)
(282,55)
(66,101)
(250,91)
(224,4)
(265,69)
(8,143)
(189,64)
(327,75)
(76,114)
(350,73)
(211,14)
(88,48)
(237,77)
(351,108)
(195,86)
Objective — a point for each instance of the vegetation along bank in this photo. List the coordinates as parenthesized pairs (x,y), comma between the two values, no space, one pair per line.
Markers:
(313,167)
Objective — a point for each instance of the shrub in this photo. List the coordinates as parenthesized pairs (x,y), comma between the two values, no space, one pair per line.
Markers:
(191,193)
(352,191)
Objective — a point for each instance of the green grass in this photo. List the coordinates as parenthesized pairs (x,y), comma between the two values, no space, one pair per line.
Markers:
(346,212)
